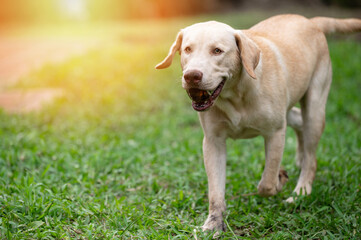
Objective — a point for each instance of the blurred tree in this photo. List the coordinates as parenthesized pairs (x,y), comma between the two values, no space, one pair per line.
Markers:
(166,8)
(63,10)
(29,11)
(344,3)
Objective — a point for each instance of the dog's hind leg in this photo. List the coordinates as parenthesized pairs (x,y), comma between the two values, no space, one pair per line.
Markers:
(294,120)
(313,109)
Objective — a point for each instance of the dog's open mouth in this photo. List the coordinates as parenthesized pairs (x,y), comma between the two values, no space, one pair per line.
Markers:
(204,99)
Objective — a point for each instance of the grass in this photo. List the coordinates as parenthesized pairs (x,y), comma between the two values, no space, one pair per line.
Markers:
(119,157)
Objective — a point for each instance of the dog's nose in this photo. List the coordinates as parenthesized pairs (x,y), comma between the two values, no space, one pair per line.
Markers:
(193,76)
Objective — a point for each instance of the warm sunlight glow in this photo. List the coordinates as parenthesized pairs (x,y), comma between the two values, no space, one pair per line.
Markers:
(74,8)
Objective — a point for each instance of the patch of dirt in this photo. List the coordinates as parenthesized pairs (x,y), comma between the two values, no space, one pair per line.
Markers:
(24,101)
(19,56)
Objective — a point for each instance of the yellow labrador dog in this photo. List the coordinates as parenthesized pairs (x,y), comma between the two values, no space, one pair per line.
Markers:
(245,83)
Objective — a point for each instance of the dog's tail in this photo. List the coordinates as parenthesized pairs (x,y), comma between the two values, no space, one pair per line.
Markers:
(333,25)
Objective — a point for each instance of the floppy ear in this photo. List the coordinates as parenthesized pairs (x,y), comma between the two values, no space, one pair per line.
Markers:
(250,53)
(173,49)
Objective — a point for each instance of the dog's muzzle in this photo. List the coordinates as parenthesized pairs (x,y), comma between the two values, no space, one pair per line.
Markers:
(203,99)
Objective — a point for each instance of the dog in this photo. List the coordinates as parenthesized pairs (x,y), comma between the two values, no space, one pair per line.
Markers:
(245,83)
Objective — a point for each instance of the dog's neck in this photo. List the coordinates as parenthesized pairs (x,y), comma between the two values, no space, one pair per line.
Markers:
(239,96)
(242,89)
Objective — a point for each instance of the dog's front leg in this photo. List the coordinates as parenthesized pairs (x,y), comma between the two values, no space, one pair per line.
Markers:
(214,152)
(273,178)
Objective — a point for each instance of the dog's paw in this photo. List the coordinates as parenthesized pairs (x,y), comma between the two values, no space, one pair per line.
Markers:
(267,189)
(214,223)
(301,189)
(291,199)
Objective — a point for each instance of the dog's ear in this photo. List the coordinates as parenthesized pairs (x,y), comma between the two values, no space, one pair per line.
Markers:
(250,53)
(173,49)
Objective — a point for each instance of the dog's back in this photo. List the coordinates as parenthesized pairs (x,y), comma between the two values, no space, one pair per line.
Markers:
(289,24)
(299,45)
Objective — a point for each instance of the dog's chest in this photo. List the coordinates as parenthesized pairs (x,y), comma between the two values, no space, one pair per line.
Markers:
(241,128)
(239,122)
(242,132)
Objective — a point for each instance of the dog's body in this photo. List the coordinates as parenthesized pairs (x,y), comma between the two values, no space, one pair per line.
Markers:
(257,76)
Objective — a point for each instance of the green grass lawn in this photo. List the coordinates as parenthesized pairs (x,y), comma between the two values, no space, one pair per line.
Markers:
(119,157)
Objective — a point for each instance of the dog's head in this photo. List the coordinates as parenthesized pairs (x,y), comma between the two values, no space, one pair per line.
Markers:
(212,53)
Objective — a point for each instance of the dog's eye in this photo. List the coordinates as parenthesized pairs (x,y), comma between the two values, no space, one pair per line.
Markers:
(217,51)
(188,50)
